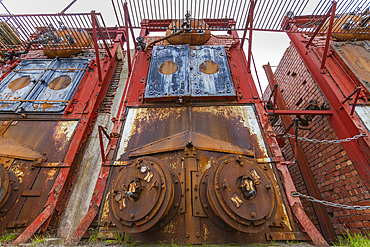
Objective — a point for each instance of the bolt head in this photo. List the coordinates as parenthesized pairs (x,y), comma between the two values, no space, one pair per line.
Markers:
(253,214)
(132,216)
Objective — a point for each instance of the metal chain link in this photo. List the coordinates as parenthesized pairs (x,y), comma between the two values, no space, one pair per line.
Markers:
(326,141)
(330,204)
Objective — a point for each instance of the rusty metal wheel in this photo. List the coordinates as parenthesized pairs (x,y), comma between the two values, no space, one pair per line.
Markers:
(4,185)
(241,194)
(13,195)
(141,196)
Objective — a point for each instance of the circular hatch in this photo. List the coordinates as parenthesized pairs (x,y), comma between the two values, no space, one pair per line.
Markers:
(241,194)
(60,82)
(142,194)
(19,83)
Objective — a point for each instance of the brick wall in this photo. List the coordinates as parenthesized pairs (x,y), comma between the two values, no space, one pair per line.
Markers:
(335,174)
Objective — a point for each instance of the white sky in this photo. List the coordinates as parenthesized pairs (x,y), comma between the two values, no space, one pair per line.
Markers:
(267,46)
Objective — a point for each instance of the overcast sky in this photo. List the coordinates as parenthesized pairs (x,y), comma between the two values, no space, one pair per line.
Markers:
(267,46)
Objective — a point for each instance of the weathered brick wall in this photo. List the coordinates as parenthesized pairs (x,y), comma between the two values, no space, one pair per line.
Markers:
(335,174)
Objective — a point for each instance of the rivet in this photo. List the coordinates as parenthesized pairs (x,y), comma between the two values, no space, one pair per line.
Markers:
(147,217)
(268,187)
(15,188)
(205,205)
(176,181)
(176,205)
(132,216)
(264,167)
(187,235)
(163,186)
(253,214)
(203,182)
(187,187)
(197,234)
(224,186)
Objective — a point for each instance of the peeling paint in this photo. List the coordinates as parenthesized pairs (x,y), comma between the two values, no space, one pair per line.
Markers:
(63,132)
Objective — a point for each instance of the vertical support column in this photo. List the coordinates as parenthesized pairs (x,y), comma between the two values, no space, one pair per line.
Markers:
(333,7)
(192,224)
(250,36)
(125,10)
(93,21)
(320,212)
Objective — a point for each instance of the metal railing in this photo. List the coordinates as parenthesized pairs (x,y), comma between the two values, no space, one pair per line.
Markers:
(52,31)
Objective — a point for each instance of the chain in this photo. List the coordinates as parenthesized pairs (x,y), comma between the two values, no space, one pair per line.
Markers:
(326,141)
(326,203)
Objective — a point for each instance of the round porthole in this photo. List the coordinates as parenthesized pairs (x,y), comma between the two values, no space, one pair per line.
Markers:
(19,83)
(60,82)
(209,67)
(168,67)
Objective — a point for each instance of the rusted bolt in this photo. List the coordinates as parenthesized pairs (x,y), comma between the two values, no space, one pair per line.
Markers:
(187,187)
(253,214)
(196,197)
(132,216)
(146,217)
(176,205)
(203,182)
(7,161)
(224,186)
(187,235)
(197,234)
(176,181)
(163,186)
(217,187)
(268,187)
(186,153)
(3,210)
(196,187)
(15,188)
(226,161)
(180,209)
(197,175)
(205,205)
(241,163)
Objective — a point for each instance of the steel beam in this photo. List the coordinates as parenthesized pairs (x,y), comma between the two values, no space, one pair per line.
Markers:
(328,37)
(125,10)
(299,112)
(320,211)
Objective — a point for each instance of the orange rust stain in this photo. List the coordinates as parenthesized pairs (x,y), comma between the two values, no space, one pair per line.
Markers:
(209,67)
(19,83)
(60,82)
(168,67)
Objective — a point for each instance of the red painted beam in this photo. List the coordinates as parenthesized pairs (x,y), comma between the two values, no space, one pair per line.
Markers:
(309,181)
(299,112)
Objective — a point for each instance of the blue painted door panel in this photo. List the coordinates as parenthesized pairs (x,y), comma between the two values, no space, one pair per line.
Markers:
(196,71)
(216,79)
(164,80)
(71,68)
(32,69)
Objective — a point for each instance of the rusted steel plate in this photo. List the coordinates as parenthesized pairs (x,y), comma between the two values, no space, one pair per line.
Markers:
(237,131)
(49,140)
(356,55)
(46,137)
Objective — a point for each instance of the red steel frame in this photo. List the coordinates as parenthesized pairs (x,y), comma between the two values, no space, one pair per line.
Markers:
(133,96)
(83,107)
(341,120)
